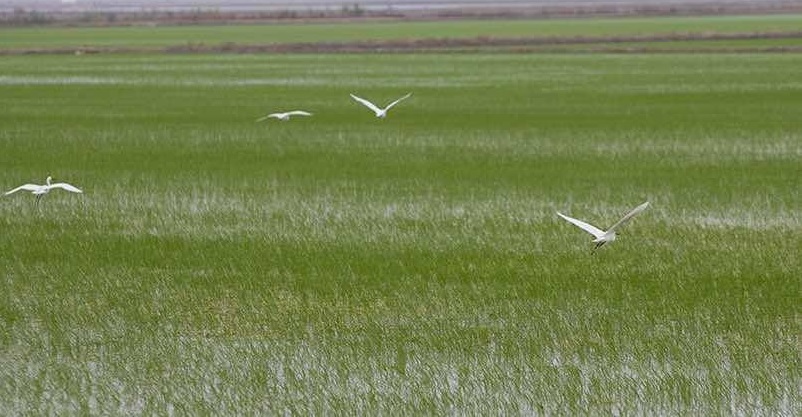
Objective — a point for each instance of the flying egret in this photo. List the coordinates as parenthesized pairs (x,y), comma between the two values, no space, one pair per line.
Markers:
(603,236)
(380,113)
(284,116)
(40,190)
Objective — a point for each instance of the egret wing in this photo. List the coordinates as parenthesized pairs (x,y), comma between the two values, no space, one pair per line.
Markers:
(389,106)
(263,118)
(630,215)
(25,187)
(595,231)
(298,113)
(366,103)
(65,186)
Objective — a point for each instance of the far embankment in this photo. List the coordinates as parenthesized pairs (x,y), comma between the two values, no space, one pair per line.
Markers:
(638,34)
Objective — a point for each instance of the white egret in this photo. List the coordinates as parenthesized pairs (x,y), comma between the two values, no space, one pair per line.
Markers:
(40,190)
(380,113)
(603,236)
(284,116)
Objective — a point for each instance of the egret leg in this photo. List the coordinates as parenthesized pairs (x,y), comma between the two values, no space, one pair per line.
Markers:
(598,245)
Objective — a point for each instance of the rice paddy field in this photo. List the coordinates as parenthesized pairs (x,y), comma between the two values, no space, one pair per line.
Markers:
(147,37)
(345,265)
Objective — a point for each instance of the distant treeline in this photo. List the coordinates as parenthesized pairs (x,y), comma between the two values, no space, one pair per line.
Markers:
(551,44)
(350,11)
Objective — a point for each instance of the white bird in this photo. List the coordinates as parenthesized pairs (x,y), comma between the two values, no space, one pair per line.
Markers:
(380,113)
(603,236)
(284,116)
(40,190)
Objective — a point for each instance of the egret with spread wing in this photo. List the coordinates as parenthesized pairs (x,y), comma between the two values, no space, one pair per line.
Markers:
(284,116)
(603,236)
(380,113)
(40,190)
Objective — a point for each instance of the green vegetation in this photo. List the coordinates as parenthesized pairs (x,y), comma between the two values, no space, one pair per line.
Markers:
(17,38)
(735,45)
(341,264)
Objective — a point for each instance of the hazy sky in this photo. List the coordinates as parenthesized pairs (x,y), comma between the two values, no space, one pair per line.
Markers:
(366,2)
